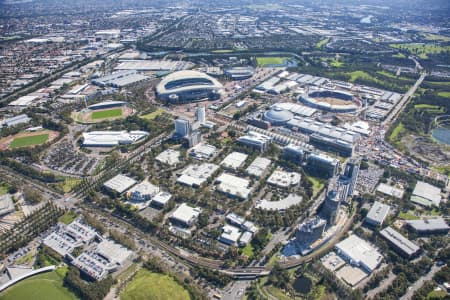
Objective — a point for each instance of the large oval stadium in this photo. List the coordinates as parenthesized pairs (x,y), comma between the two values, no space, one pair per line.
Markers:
(332,101)
(188,86)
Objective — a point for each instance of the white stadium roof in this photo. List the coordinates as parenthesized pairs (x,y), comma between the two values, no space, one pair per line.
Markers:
(210,82)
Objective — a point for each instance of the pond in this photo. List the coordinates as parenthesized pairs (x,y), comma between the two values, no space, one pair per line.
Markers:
(303,285)
(441,134)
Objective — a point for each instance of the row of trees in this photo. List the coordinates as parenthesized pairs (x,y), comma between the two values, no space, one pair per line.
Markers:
(89,291)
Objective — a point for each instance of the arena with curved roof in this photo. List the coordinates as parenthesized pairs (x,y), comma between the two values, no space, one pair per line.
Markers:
(278,116)
(188,86)
(239,73)
(330,100)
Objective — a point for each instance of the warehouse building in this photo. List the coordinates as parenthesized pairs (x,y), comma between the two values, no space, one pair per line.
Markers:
(359,253)
(233,186)
(112,138)
(399,243)
(426,194)
(196,175)
(17,120)
(258,166)
(234,160)
(119,183)
(429,226)
(185,215)
(377,214)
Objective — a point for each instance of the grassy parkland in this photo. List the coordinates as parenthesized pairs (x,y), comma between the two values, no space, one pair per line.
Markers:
(270,61)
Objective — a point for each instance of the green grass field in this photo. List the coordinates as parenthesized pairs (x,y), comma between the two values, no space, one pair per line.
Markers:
(27,141)
(222,51)
(421,49)
(399,55)
(154,114)
(103,114)
(248,250)
(322,43)
(265,61)
(68,184)
(437,295)
(444,94)
(44,286)
(68,217)
(148,285)
(407,216)
(396,132)
(436,37)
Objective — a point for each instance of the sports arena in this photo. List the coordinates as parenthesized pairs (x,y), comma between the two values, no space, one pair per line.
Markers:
(103,111)
(239,73)
(188,86)
(332,101)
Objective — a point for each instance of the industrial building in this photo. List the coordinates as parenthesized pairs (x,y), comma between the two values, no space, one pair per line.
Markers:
(120,79)
(119,183)
(17,120)
(426,194)
(203,151)
(185,215)
(280,205)
(399,243)
(429,226)
(360,253)
(169,156)
(112,138)
(284,179)
(196,175)
(325,136)
(142,192)
(234,160)
(188,86)
(377,214)
(258,166)
(161,199)
(233,186)
(255,140)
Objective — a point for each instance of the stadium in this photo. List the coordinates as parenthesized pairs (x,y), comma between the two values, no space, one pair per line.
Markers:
(331,100)
(103,111)
(278,116)
(239,73)
(188,86)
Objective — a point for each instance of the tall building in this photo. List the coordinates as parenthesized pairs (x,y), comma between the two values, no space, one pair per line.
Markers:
(294,153)
(331,205)
(310,230)
(323,165)
(200,114)
(182,127)
(351,174)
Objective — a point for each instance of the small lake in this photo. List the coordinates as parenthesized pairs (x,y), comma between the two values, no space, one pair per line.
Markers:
(441,134)
(303,285)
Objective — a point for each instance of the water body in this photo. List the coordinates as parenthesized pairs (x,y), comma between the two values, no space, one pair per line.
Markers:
(366,20)
(303,285)
(441,134)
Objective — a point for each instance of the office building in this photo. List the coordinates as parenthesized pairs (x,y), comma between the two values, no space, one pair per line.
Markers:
(377,214)
(429,226)
(359,253)
(322,165)
(351,174)
(182,128)
(255,140)
(399,243)
(185,215)
(200,114)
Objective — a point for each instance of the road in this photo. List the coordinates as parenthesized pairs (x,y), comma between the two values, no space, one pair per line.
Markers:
(236,290)
(419,283)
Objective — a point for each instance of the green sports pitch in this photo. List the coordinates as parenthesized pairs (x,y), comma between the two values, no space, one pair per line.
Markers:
(26,141)
(267,61)
(39,287)
(109,113)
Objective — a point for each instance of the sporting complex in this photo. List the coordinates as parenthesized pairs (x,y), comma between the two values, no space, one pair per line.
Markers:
(188,86)
(28,139)
(107,110)
(331,100)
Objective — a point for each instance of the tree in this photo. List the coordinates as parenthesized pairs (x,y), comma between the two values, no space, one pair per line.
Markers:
(279,277)
(31,196)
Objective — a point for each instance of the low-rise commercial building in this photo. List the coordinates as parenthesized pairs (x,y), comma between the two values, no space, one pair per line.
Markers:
(196,175)
(426,194)
(429,226)
(233,186)
(377,214)
(234,160)
(359,253)
(185,215)
(119,183)
(399,243)
(284,179)
(258,166)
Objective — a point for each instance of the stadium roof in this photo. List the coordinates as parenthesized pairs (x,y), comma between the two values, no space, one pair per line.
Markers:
(278,116)
(207,82)
(296,108)
(106,103)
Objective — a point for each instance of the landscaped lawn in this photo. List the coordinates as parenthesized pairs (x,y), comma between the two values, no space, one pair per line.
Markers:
(397,130)
(421,49)
(248,250)
(40,287)
(148,285)
(265,61)
(3,188)
(29,141)
(153,115)
(68,217)
(68,184)
(407,216)
(103,114)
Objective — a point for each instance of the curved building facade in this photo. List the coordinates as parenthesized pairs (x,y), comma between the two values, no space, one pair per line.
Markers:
(277,116)
(239,73)
(324,100)
(188,86)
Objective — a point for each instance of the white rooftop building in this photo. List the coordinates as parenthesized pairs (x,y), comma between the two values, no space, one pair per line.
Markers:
(390,190)
(280,205)
(119,183)
(185,215)
(112,138)
(426,194)
(142,192)
(230,235)
(196,175)
(233,186)
(284,179)
(234,160)
(203,151)
(258,166)
(377,214)
(360,253)
(161,199)
(20,119)
(169,156)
